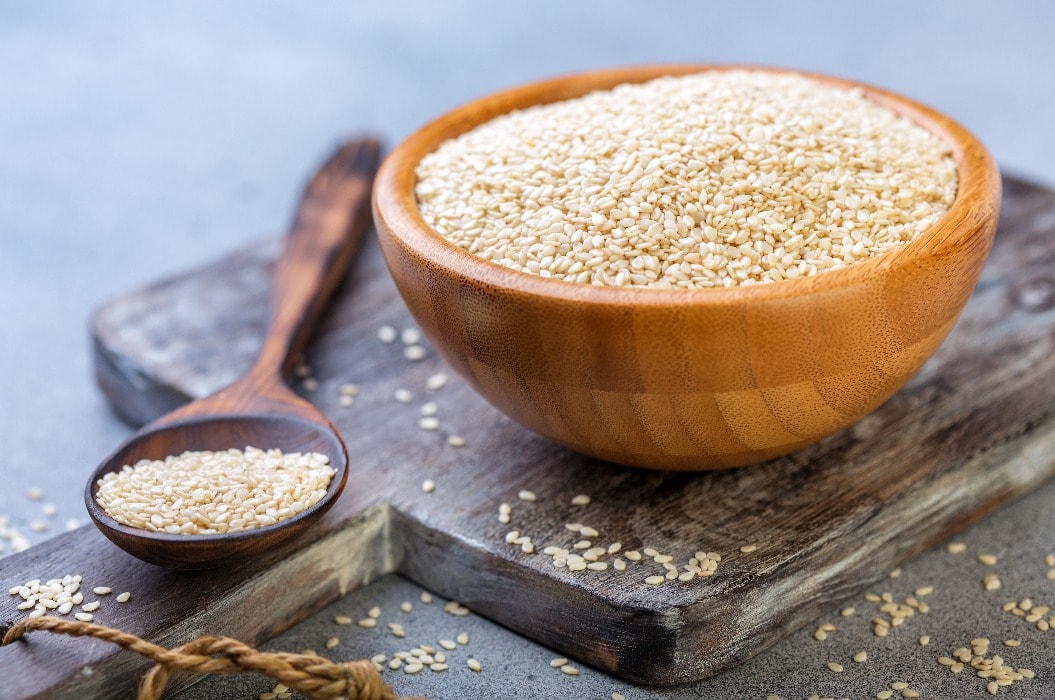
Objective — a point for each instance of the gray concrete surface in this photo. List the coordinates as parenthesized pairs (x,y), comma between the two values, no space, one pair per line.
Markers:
(138,139)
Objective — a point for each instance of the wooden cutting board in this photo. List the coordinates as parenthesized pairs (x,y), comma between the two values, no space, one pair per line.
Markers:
(973,430)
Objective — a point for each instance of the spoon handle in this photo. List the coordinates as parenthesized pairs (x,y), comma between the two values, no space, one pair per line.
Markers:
(333,214)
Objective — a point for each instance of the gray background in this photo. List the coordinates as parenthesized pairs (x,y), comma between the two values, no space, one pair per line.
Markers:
(140,139)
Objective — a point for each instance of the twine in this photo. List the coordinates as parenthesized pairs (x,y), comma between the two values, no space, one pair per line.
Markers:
(313,676)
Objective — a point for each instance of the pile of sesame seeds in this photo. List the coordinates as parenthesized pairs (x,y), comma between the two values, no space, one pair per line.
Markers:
(580,549)
(205,492)
(60,596)
(991,669)
(714,179)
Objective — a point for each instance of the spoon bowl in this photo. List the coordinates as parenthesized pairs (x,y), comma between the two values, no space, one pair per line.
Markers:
(259,409)
(287,432)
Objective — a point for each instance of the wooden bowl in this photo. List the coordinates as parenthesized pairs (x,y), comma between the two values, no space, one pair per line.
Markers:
(685,379)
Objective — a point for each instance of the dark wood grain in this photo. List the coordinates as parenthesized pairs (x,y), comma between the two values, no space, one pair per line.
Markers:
(971,431)
(259,409)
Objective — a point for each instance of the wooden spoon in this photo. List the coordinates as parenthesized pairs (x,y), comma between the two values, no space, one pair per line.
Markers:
(259,409)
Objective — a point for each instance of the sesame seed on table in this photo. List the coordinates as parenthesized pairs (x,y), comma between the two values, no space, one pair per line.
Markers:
(141,142)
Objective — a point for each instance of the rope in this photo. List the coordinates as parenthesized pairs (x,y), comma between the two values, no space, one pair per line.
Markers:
(314,677)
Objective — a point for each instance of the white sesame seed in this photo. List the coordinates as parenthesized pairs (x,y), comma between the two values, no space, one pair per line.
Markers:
(342,620)
(588,531)
(429,423)
(406,606)
(557,663)
(387,334)
(90,607)
(747,549)
(207,492)
(374,612)
(455,441)
(860,657)
(101,590)
(448,644)
(84,617)
(123,597)
(956,547)
(345,401)
(426,597)
(474,665)
(681,153)
(368,622)
(655,580)
(835,667)
(410,336)
(403,395)
(991,582)
(569,670)
(436,381)
(413,667)
(632,555)
(428,409)
(428,485)
(986,559)
(35,493)
(332,642)
(414,353)
(462,638)
(580,500)
(526,495)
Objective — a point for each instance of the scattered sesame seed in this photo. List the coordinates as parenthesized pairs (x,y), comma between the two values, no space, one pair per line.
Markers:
(474,665)
(426,597)
(987,559)
(557,663)
(406,606)
(387,334)
(345,401)
(332,642)
(847,612)
(34,493)
(820,635)
(455,441)
(526,495)
(413,667)
(655,580)
(569,670)
(123,597)
(403,395)
(414,353)
(428,485)
(898,685)
(860,657)
(368,622)
(580,500)
(924,590)
(619,696)
(90,607)
(410,336)
(49,510)
(633,555)
(462,638)
(924,640)
(895,573)
(436,381)
(1012,642)
(101,590)
(342,620)
(991,582)
(835,667)
(39,526)
(588,531)
(885,694)
(747,549)
(429,423)
(956,547)
(374,612)
(84,617)
(429,408)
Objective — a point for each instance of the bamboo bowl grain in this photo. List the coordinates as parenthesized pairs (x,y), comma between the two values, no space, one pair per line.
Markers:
(685,379)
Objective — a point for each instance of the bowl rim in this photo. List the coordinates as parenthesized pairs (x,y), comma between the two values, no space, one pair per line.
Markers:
(396,212)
